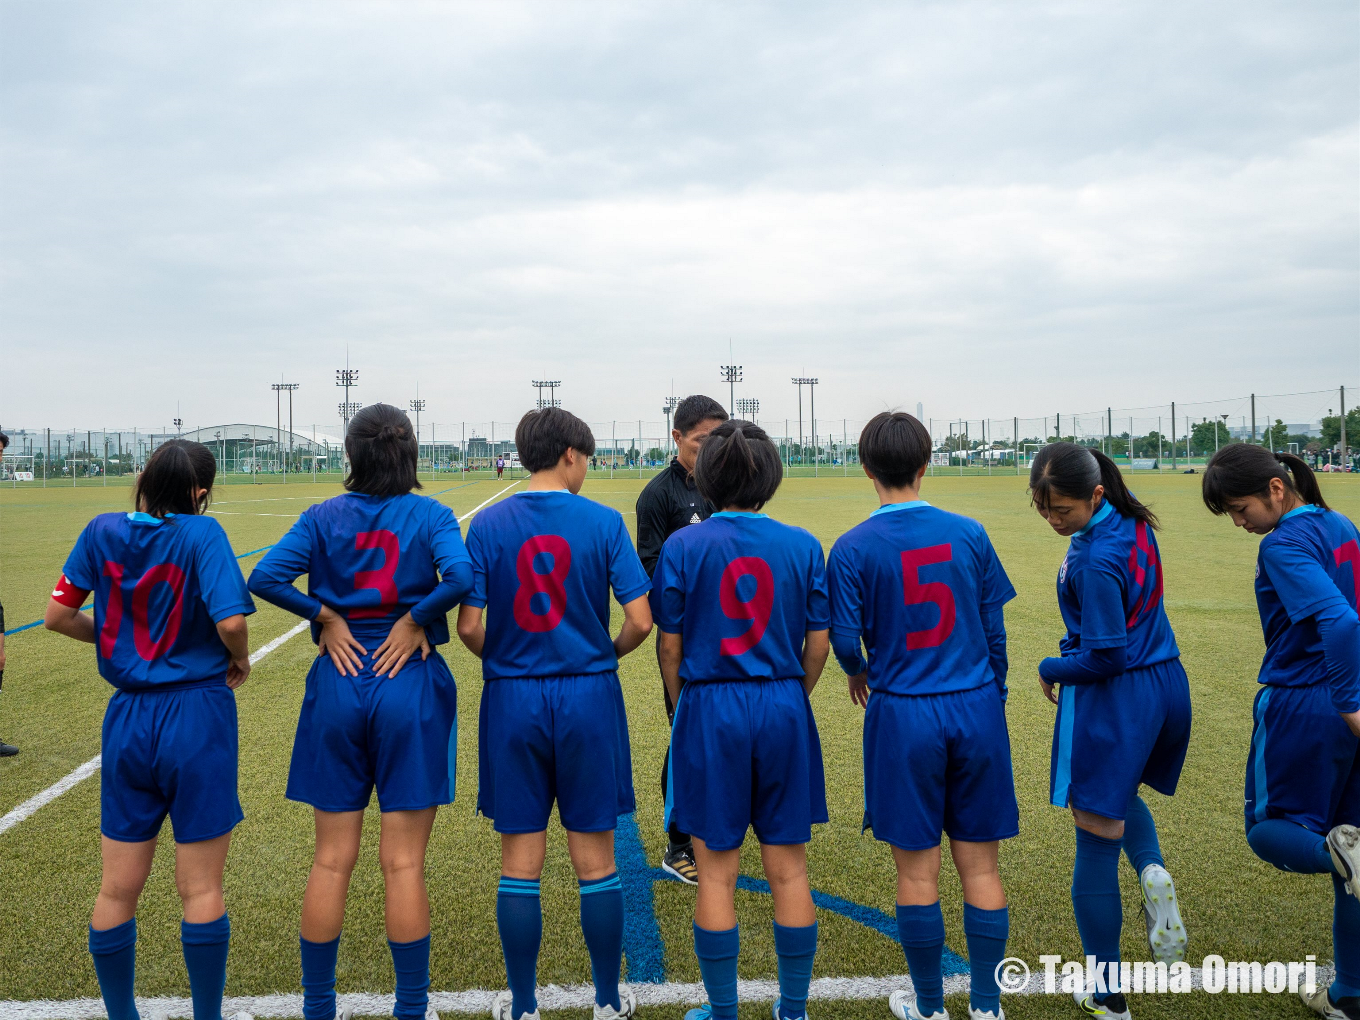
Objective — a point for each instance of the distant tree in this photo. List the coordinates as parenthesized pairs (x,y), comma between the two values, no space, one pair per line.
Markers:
(1331,429)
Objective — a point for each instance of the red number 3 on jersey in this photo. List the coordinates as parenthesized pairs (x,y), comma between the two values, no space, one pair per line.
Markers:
(551,584)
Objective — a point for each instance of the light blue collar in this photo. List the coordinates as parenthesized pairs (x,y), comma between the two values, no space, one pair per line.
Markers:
(142,518)
(1307,508)
(739,513)
(1106,508)
(543,492)
(888,508)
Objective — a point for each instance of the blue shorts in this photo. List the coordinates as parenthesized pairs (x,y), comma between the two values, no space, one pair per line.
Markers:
(745,754)
(1304,762)
(396,734)
(169,753)
(938,763)
(1111,736)
(554,738)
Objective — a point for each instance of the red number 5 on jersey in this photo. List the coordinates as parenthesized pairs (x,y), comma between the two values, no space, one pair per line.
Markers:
(552,584)
(757,610)
(1350,553)
(915,593)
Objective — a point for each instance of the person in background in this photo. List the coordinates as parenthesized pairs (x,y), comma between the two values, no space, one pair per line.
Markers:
(669,503)
(6,750)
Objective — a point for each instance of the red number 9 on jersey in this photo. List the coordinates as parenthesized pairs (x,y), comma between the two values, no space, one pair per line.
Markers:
(551,584)
(757,610)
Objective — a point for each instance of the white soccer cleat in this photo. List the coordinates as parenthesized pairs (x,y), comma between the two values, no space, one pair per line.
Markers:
(501,1005)
(1166,932)
(774,1012)
(431,1013)
(903,1006)
(1320,1002)
(627,1006)
(243,1016)
(986,1014)
(347,1013)
(1116,1007)
(1344,844)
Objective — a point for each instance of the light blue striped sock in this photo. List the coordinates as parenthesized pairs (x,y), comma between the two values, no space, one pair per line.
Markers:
(602,926)
(519,916)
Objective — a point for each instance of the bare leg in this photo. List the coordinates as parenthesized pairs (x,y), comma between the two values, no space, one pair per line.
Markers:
(337,851)
(715,907)
(405,836)
(980,873)
(126,867)
(918,876)
(198,877)
(786,871)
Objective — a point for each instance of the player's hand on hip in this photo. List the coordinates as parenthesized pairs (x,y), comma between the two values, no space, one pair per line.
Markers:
(1353,721)
(1049,693)
(859,689)
(404,639)
(237,672)
(337,642)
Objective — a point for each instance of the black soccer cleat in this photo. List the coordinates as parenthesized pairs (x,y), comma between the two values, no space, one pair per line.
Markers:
(7,750)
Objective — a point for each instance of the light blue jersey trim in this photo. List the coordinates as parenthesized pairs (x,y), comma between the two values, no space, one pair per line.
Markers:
(1105,510)
(1307,508)
(1262,786)
(669,806)
(738,513)
(1062,787)
(888,508)
(142,518)
(453,759)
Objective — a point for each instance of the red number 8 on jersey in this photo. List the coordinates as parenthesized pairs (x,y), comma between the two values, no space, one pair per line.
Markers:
(757,609)
(551,584)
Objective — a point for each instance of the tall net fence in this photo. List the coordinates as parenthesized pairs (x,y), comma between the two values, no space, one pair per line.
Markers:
(1164,437)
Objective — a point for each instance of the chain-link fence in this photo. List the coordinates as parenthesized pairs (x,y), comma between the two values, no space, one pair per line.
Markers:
(1317,425)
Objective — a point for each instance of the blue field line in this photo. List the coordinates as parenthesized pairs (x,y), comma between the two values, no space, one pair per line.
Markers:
(450,489)
(35,623)
(643,945)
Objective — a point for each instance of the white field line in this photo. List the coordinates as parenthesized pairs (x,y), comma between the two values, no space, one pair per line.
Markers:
(54,791)
(249,513)
(478,1001)
(468,516)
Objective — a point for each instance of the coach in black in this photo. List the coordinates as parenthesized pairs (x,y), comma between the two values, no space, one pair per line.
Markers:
(668,503)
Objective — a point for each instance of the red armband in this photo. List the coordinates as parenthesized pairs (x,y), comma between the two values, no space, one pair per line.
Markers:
(68,594)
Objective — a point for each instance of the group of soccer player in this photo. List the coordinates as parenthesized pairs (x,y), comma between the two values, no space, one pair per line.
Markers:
(911,601)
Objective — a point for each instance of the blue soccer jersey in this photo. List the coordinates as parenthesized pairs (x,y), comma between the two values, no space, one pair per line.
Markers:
(1310,562)
(1110,591)
(373,559)
(543,563)
(160,587)
(742,590)
(917,582)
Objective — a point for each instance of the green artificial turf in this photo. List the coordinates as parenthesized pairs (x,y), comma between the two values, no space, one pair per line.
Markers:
(53,699)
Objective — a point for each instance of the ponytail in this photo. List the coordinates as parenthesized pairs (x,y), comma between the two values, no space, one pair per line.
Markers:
(382,450)
(1241,470)
(738,466)
(1075,471)
(170,481)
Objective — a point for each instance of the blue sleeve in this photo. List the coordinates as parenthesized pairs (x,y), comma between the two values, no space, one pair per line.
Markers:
(626,575)
(994,627)
(995,589)
(1088,666)
(273,577)
(1301,582)
(476,595)
(1103,623)
(668,600)
(1339,629)
(80,568)
(454,566)
(221,585)
(847,610)
(818,611)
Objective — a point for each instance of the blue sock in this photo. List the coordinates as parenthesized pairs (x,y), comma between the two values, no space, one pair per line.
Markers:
(602,926)
(318,978)
(1345,941)
(796,949)
(1140,836)
(921,929)
(717,952)
(411,961)
(115,963)
(1290,847)
(519,916)
(986,931)
(1095,900)
(205,957)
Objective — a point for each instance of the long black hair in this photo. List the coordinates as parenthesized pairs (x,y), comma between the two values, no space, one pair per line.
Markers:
(738,466)
(382,450)
(1075,471)
(1241,470)
(173,474)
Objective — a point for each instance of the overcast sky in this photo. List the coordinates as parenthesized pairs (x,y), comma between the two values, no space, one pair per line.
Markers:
(987,208)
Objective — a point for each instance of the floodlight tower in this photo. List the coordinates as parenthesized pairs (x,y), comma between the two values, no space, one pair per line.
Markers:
(417,406)
(801,381)
(279,389)
(668,409)
(731,375)
(551,386)
(345,378)
(748,408)
(179,425)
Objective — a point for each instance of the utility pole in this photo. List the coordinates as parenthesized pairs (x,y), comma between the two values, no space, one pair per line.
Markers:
(551,386)
(279,389)
(1253,418)
(1173,430)
(668,409)
(1345,460)
(731,375)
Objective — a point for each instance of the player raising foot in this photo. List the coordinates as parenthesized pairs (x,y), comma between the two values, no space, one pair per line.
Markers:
(1322,1003)
(1166,931)
(1113,1007)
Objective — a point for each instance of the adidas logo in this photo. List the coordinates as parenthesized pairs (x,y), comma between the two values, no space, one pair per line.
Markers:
(695,519)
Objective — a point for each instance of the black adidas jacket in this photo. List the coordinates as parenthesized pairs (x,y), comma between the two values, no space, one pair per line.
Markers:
(668,503)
